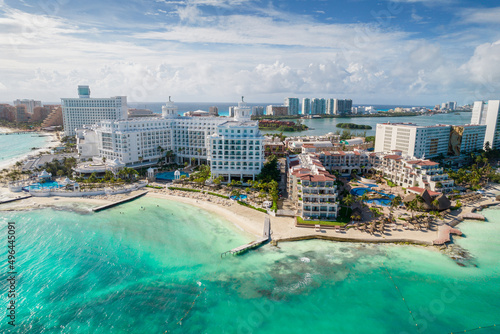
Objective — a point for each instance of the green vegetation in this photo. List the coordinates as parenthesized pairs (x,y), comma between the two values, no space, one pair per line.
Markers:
(154,187)
(185,189)
(353,126)
(343,217)
(391,184)
(61,168)
(319,222)
(218,195)
(370,139)
(251,206)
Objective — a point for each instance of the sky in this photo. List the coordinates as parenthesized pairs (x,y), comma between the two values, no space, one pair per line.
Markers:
(411,52)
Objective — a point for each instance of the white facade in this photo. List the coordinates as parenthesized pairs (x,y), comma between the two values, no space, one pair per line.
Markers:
(236,147)
(84,110)
(312,187)
(487,114)
(143,141)
(411,172)
(413,140)
(306,106)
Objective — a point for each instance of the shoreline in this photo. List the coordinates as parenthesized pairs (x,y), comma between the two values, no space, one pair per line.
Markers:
(249,221)
(7,164)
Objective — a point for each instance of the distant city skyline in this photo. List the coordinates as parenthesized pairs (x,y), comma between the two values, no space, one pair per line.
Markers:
(408,52)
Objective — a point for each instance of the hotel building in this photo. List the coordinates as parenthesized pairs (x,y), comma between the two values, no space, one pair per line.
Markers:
(85,110)
(413,140)
(486,113)
(144,141)
(293,105)
(312,187)
(411,172)
(306,106)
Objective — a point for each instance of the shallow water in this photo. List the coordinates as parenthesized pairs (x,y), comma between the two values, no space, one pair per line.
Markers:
(157,269)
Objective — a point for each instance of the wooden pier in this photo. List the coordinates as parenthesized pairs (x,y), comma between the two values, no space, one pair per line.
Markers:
(14,199)
(107,206)
(444,232)
(266,236)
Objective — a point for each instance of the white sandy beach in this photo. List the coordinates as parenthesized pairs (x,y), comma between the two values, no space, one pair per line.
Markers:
(248,220)
(49,143)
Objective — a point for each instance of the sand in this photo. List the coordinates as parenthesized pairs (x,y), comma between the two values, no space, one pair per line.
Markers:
(248,220)
(11,162)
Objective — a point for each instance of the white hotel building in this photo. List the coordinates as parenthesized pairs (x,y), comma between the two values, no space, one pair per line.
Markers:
(85,110)
(232,146)
(413,140)
(486,113)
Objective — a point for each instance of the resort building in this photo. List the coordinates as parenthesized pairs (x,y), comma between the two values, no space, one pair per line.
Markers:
(293,105)
(312,187)
(413,140)
(346,162)
(411,172)
(144,141)
(486,113)
(85,110)
(256,111)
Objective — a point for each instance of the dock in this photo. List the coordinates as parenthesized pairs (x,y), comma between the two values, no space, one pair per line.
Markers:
(14,199)
(266,236)
(108,206)
(444,232)
(473,215)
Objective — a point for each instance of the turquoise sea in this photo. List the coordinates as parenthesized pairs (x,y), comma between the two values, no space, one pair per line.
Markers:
(159,270)
(15,145)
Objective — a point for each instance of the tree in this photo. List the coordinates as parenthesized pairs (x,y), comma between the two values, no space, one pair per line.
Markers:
(348,200)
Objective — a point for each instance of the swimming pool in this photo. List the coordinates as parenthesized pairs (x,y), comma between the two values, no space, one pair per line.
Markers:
(45,185)
(371,185)
(378,201)
(241,197)
(360,191)
(168,175)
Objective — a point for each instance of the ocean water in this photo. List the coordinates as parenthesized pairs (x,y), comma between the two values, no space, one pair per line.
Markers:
(13,146)
(154,266)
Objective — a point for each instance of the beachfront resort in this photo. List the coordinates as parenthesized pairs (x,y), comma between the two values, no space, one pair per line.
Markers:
(403,186)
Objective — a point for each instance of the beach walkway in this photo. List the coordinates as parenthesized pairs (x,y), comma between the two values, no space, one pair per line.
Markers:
(14,199)
(444,232)
(107,206)
(254,244)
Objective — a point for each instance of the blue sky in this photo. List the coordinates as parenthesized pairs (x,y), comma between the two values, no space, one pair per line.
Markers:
(381,52)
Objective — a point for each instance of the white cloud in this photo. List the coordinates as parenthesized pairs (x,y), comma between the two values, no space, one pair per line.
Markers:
(481,16)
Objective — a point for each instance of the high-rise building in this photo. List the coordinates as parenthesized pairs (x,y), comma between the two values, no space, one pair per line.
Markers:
(452,105)
(318,106)
(413,140)
(342,107)
(257,111)
(277,110)
(85,110)
(306,106)
(30,104)
(330,105)
(486,113)
(293,105)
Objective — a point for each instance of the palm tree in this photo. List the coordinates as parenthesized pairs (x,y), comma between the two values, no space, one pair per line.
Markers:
(348,200)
